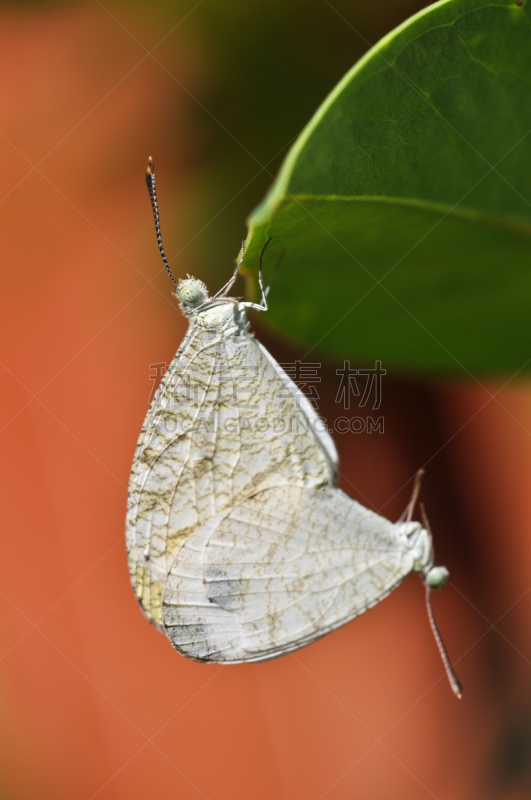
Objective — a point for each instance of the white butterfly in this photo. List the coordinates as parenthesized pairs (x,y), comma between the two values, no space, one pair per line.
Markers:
(241,547)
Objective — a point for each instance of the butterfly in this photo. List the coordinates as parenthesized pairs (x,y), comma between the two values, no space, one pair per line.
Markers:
(240,545)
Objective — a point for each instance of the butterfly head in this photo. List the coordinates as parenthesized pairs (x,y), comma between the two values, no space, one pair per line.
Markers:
(436,577)
(191,294)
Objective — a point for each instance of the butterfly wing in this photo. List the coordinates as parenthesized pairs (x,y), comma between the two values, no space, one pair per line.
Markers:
(225,422)
(278,571)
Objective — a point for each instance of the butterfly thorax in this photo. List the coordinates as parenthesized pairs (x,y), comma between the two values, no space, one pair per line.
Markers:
(419,544)
(225,315)
(222,316)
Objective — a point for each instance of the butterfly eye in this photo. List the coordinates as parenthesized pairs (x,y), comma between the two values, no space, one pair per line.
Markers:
(191,292)
(436,577)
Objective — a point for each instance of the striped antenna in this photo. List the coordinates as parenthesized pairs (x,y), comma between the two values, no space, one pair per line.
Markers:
(152,189)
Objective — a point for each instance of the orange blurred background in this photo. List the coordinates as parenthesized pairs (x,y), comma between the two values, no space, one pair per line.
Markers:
(95,703)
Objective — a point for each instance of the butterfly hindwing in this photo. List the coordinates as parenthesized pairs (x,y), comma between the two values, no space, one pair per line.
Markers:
(278,571)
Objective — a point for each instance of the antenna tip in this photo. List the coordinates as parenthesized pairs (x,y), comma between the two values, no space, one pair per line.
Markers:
(150,166)
(456,687)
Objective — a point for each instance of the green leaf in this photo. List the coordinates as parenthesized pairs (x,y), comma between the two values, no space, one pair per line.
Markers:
(404,207)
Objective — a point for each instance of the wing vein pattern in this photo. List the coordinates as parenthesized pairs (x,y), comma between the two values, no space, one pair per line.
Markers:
(332,558)
(201,449)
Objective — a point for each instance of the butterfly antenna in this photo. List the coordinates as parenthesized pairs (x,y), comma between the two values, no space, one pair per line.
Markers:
(152,189)
(408,511)
(452,677)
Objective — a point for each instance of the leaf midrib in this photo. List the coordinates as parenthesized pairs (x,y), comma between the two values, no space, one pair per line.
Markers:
(478,217)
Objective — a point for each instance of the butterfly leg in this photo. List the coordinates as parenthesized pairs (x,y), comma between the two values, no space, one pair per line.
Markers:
(263,306)
(408,511)
(228,286)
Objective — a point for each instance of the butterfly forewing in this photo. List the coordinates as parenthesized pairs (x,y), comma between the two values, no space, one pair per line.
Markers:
(225,423)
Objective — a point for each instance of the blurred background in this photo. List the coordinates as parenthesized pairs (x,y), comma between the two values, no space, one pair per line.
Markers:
(95,703)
